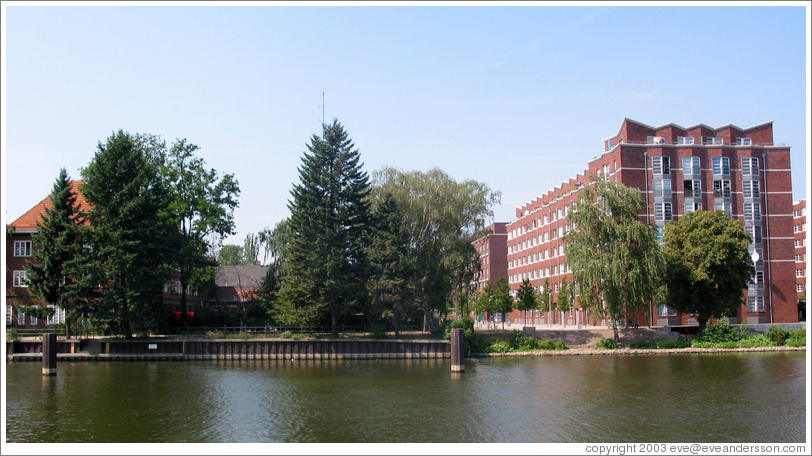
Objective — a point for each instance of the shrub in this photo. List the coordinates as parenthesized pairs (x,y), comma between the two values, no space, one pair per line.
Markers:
(641,344)
(798,334)
(377,332)
(298,336)
(286,335)
(680,342)
(500,346)
(215,335)
(777,334)
(240,336)
(722,331)
(12,334)
(796,343)
(606,344)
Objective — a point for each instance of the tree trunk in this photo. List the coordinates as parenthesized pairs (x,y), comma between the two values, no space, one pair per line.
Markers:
(703,323)
(428,318)
(614,330)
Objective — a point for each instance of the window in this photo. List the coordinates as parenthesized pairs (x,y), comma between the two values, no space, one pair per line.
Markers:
(22,248)
(662,212)
(662,188)
(20,279)
(757,283)
(33,320)
(800,272)
(685,140)
(723,207)
(755,304)
(796,213)
(690,207)
(751,189)
(692,188)
(755,232)
(9,320)
(800,257)
(752,211)
(796,228)
(690,165)
(798,243)
(661,165)
(712,140)
(721,188)
(744,141)
(799,287)
(750,166)
(721,166)
(20,318)
(665,311)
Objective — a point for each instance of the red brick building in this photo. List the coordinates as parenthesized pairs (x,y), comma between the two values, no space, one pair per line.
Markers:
(799,228)
(740,171)
(19,251)
(492,250)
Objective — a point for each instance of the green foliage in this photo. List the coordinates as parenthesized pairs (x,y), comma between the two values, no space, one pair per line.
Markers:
(377,332)
(286,335)
(230,255)
(519,343)
(240,336)
(722,331)
(12,334)
(798,334)
(606,344)
(326,266)
(616,260)
(132,232)
(440,217)
(680,342)
(640,344)
(215,335)
(299,336)
(707,264)
(777,334)
(796,343)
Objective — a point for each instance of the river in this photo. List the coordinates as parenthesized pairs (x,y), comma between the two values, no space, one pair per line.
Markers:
(735,397)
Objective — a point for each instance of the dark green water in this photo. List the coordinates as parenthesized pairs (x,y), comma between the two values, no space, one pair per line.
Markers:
(754,397)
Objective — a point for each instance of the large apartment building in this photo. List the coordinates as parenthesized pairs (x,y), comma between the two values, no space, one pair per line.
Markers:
(492,249)
(799,228)
(678,170)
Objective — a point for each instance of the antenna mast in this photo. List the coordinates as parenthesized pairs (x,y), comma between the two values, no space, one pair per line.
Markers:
(323,92)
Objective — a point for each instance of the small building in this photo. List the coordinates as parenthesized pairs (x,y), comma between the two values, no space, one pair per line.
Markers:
(235,286)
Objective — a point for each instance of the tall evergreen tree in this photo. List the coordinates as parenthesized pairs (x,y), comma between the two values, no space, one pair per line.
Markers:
(132,233)
(326,265)
(59,274)
(390,284)
(616,261)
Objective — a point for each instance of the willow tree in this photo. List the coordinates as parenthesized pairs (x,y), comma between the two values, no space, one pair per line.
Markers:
(616,260)
(440,216)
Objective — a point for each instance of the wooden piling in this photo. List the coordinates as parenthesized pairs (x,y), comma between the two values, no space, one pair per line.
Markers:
(457,350)
(49,354)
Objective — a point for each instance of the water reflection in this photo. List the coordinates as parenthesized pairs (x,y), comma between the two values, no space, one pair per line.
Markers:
(756,397)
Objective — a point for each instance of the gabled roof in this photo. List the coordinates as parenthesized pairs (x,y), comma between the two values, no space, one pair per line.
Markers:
(27,223)
(672,124)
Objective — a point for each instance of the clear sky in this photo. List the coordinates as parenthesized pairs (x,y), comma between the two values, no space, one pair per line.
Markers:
(519,97)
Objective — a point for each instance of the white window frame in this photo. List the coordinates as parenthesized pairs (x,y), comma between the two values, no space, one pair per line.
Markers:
(751,188)
(696,188)
(724,188)
(752,211)
(662,188)
(685,140)
(722,165)
(755,304)
(19,279)
(661,165)
(714,140)
(663,212)
(9,317)
(22,248)
(691,207)
(20,318)
(799,287)
(750,166)
(757,282)
(722,206)
(58,317)
(744,141)
(665,311)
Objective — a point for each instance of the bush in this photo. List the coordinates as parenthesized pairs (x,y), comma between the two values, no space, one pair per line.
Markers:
(298,336)
(286,335)
(640,344)
(606,344)
(680,342)
(215,335)
(796,343)
(722,331)
(519,343)
(377,332)
(240,336)
(777,334)
(12,334)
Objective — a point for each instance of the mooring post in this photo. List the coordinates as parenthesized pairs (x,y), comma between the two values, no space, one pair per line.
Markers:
(457,350)
(49,354)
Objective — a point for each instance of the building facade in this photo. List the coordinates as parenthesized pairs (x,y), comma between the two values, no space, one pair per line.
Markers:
(677,170)
(19,251)
(492,249)
(799,228)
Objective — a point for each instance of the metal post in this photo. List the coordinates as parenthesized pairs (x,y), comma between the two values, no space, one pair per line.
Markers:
(457,350)
(49,354)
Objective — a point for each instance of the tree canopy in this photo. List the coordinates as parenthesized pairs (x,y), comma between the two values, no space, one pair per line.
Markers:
(440,217)
(615,258)
(708,264)
(326,266)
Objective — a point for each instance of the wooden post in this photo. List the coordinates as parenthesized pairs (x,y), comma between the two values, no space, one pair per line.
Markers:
(457,350)
(49,354)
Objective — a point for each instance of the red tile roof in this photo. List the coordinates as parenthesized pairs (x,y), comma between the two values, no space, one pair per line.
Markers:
(27,223)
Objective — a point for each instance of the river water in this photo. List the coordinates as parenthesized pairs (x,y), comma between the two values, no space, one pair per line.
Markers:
(742,397)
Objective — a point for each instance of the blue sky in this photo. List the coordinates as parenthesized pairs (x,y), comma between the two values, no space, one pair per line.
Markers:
(519,97)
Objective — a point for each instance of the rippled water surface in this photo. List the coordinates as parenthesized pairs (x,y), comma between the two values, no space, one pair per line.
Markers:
(754,397)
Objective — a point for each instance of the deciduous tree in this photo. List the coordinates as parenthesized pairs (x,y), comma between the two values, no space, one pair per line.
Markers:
(615,258)
(527,298)
(708,264)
